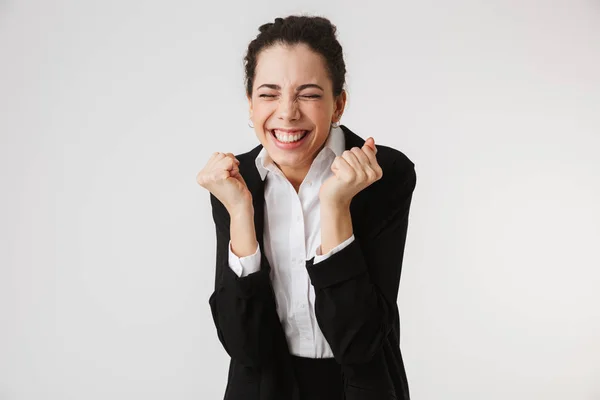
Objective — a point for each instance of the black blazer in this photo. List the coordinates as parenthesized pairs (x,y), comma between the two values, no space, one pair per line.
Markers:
(356,293)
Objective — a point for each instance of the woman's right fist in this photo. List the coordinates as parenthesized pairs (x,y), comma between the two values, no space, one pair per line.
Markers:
(221,176)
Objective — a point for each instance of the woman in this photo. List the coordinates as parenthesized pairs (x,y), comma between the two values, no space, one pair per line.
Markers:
(311,226)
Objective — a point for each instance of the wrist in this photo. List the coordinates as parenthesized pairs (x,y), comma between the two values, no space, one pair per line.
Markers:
(336,226)
(335,207)
(242,232)
(243,212)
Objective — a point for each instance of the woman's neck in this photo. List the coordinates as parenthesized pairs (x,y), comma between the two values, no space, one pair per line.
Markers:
(295,176)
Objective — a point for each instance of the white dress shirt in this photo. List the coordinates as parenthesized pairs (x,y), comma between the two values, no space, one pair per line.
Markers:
(292,235)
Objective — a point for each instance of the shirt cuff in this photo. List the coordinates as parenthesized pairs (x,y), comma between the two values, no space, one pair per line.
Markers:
(244,266)
(322,257)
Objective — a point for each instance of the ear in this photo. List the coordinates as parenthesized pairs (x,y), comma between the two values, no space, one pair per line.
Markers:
(340,104)
(249,98)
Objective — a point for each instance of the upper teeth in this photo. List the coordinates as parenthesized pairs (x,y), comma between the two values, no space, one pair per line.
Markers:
(287,138)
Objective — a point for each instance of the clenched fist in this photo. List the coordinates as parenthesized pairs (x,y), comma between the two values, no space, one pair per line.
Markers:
(353,171)
(221,176)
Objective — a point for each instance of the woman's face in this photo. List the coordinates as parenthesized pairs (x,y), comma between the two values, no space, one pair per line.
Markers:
(292,105)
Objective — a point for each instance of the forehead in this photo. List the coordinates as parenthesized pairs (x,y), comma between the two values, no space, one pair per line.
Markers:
(290,66)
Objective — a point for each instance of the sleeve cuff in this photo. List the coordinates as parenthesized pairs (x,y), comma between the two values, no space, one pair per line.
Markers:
(244,266)
(345,264)
(322,257)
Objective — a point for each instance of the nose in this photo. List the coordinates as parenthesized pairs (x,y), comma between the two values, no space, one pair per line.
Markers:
(288,109)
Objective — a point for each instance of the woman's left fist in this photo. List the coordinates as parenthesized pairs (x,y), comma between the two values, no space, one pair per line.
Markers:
(353,171)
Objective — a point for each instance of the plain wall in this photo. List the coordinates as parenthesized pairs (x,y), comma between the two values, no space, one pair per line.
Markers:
(108,110)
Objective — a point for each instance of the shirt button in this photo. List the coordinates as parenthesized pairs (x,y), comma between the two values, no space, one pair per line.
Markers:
(293,259)
(302,305)
(298,218)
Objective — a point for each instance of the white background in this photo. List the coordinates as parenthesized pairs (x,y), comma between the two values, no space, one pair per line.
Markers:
(108,109)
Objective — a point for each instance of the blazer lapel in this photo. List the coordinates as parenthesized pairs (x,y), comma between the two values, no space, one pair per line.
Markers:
(256,186)
(359,202)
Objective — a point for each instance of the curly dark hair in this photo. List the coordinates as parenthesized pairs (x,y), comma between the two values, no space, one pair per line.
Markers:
(316,32)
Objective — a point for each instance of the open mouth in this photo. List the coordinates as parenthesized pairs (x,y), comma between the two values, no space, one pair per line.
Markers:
(286,138)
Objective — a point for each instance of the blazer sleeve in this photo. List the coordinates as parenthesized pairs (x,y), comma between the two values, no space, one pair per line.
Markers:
(243,308)
(356,289)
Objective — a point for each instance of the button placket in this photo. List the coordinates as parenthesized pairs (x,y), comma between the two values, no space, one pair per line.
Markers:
(304,325)
(301,315)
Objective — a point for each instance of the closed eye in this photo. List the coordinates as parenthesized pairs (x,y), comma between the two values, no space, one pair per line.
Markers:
(308,96)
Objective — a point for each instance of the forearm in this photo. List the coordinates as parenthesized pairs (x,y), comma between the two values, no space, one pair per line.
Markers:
(242,231)
(356,289)
(350,307)
(336,226)
(243,308)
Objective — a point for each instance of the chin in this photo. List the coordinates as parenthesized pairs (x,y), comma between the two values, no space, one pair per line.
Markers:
(287,160)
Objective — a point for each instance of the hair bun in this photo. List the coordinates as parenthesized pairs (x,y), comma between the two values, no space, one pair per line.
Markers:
(265,27)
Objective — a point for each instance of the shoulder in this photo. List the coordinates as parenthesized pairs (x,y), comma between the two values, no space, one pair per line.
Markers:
(399,175)
(386,202)
(398,169)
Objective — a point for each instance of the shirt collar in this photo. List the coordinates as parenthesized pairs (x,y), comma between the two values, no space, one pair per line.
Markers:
(335,144)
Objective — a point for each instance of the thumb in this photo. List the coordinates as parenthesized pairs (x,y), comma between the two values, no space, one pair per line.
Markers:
(371,143)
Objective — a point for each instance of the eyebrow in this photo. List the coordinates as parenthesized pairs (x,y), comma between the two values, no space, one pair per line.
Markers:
(298,89)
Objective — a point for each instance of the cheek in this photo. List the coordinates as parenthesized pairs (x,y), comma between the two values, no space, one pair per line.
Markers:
(321,110)
(262,112)
(316,113)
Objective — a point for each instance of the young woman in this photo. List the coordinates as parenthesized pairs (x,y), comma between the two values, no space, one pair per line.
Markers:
(311,226)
